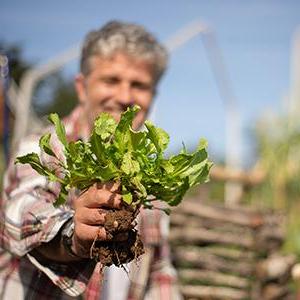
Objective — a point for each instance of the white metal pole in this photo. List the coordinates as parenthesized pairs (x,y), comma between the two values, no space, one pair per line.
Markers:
(294,97)
(233,142)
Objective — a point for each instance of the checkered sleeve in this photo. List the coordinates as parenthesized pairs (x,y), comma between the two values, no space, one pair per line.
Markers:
(30,219)
(29,215)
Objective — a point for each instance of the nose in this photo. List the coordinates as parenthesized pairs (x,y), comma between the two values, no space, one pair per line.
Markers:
(125,96)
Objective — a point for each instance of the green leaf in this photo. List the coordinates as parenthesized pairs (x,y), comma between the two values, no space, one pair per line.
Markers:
(59,128)
(126,196)
(203,144)
(105,126)
(62,197)
(45,144)
(138,186)
(183,150)
(180,193)
(98,148)
(201,176)
(116,152)
(123,131)
(129,166)
(167,166)
(138,140)
(34,160)
(158,136)
(107,173)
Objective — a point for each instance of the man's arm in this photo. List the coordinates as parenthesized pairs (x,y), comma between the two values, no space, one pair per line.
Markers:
(29,217)
(89,217)
(32,225)
(56,249)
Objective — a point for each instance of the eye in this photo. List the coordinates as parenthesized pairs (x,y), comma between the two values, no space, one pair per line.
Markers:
(110,80)
(141,85)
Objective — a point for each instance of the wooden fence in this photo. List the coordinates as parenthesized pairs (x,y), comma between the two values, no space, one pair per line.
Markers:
(229,253)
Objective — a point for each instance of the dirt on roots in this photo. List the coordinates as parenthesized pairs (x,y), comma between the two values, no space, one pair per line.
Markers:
(124,243)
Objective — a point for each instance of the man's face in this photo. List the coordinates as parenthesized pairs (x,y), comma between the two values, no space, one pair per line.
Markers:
(115,83)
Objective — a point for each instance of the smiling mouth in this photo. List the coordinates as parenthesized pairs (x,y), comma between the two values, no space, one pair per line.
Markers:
(113,111)
(116,109)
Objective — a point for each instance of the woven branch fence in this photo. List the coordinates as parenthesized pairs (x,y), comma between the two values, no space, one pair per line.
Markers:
(229,253)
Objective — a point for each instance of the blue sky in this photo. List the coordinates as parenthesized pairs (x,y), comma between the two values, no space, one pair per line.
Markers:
(255,38)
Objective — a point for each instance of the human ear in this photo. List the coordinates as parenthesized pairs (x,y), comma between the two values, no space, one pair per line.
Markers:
(80,87)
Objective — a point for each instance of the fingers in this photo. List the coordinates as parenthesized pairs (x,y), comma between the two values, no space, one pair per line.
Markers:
(84,236)
(101,195)
(114,187)
(90,216)
(87,233)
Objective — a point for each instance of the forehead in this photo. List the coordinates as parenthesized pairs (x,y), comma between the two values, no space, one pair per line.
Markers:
(121,63)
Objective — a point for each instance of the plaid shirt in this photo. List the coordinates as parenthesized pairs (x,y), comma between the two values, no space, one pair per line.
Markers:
(28,219)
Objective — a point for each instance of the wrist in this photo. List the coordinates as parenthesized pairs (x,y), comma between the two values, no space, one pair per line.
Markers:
(67,239)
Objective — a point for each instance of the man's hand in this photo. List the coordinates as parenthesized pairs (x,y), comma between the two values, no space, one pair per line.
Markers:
(90,210)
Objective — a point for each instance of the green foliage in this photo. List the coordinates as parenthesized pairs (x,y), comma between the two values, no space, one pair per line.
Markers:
(279,152)
(133,158)
(278,145)
(292,244)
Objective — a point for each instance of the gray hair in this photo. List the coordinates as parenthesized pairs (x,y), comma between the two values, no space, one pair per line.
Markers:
(129,38)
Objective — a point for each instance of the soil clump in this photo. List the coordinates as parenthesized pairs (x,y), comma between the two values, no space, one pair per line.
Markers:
(124,243)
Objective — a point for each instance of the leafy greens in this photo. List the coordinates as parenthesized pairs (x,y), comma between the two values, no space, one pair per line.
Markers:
(116,152)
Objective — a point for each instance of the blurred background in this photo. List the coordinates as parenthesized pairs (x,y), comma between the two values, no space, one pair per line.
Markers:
(233,78)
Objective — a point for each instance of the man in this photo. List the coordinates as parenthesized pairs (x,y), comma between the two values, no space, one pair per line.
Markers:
(46,250)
